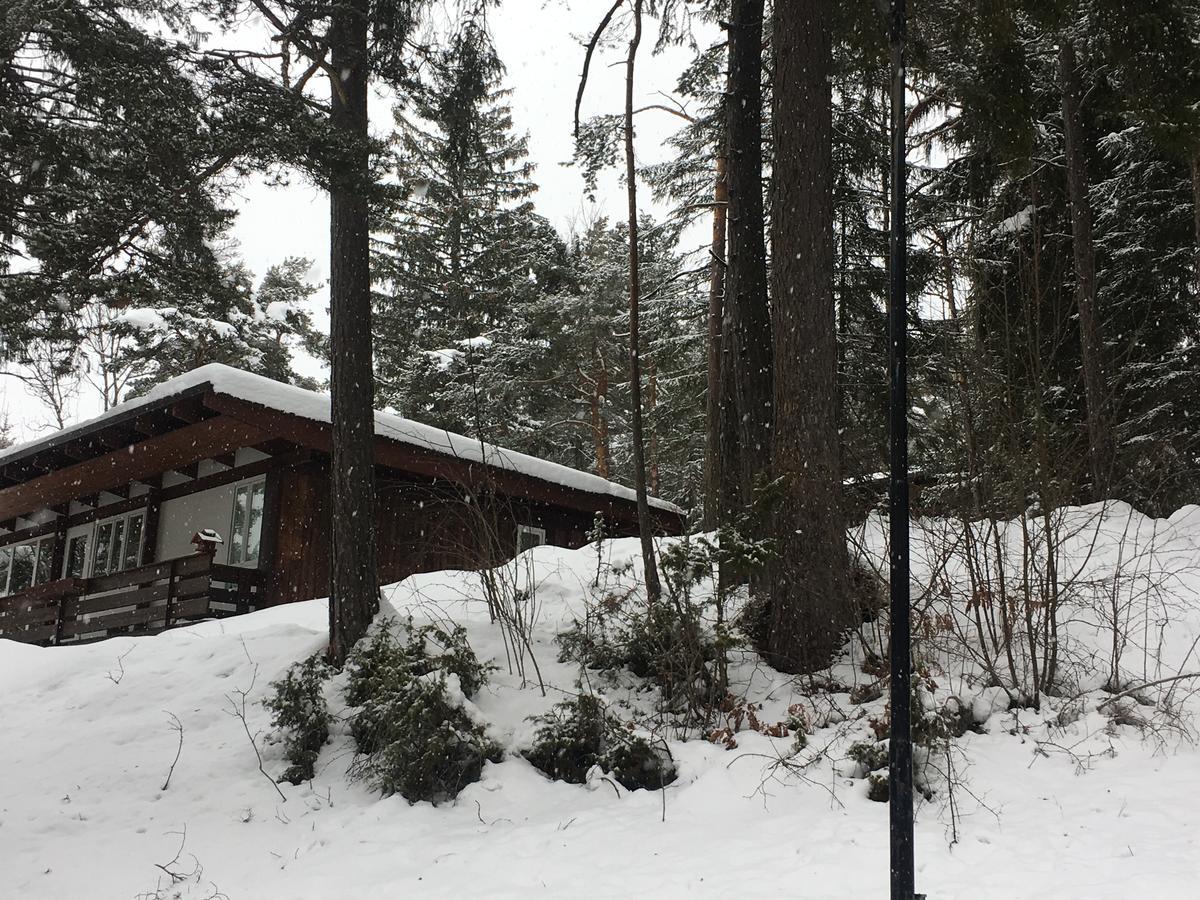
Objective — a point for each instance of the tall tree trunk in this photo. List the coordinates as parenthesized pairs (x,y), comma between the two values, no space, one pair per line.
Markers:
(747,316)
(645,525)
(716,308)
(809,600)
(599,420)
(1194,161)
(651,407)
(1101,451)
(354,588)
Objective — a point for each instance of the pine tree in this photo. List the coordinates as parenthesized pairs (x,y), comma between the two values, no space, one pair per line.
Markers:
(464,248)
(228,321)
(808,581)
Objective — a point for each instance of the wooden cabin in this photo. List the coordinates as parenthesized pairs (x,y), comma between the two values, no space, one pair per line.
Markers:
(209,496)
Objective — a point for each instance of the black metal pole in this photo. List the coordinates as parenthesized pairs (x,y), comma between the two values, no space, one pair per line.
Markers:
(900,747)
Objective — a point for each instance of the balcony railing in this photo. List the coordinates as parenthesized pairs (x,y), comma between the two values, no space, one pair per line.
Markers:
(144,600)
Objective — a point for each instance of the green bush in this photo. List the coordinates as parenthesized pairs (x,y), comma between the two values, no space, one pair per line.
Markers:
(877,788)
(579,734)
(418,742)
(665,643)
(412,733)
(383,658)
(871,756)
(299,710)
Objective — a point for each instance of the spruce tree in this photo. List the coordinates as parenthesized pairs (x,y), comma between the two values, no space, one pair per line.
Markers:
(463,246)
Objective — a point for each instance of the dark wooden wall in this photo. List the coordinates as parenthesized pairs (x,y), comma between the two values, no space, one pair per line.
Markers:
(421,526)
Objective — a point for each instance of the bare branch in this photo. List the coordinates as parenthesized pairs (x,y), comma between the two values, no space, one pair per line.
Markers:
(587,58)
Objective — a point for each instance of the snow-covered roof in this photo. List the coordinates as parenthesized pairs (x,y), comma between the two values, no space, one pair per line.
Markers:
(313,405)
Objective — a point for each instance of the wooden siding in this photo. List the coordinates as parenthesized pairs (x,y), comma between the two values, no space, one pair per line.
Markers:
(421,526)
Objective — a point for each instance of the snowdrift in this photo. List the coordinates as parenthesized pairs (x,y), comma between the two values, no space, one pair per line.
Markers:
(1047,804)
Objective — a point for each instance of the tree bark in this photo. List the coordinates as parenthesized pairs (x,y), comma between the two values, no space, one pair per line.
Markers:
(1101,451)
(599,419)
(809,597)
(354,587)
(1194,161)
(716,307)
(747,317)
(645,525)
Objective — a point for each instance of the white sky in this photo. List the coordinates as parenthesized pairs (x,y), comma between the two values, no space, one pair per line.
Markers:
(541,44)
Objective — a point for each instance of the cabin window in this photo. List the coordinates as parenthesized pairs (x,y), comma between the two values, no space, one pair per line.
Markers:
(118,544)
(529,536)
(245,532)
(76,556)
(24,565)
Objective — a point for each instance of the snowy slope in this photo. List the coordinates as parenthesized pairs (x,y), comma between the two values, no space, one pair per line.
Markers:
(297,401)
(1083,810)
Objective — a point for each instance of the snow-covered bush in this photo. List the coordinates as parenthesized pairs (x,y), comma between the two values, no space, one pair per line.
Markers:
(870,756)
(673,642)
(411,723)
(298,709)
(417,739)
(580,734)
(383,658)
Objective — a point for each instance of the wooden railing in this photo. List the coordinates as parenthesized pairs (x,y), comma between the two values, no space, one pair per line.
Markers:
(137,601)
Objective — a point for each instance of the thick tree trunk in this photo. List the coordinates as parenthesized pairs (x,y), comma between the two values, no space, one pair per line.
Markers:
(354,588)
(1100,439)
(809,600)
(747,316)
(1194,161)
(645,525)
(716,308)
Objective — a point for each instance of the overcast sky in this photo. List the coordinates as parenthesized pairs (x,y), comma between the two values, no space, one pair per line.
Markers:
(540,43)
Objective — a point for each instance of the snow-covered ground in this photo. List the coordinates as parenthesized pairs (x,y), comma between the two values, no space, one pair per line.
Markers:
(1084,809)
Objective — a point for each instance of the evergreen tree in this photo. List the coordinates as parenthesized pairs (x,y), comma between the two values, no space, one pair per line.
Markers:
(464,248)
(115,140)
(810,608)
(253,329)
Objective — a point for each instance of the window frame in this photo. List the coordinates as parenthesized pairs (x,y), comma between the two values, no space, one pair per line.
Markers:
(121,527)
(41,546)
(536,530)
(239,538)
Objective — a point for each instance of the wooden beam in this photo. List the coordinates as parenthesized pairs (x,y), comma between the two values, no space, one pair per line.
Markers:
(150,457)
(433,464)
(268,552)
(150,523)
(190,410)
(152,424)
(258,467)
(192,470)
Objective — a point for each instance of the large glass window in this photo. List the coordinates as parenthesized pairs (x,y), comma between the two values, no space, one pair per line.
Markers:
(118,544)
(245,532)
(76,556)
(24,565)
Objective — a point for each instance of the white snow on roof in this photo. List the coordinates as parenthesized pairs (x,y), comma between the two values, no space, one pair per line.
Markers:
(297,401)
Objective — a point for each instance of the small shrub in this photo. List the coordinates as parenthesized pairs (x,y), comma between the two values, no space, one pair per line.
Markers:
(590,648)
(665,643)
(579,734)
(383,659)
(410,726)
(298,708)
(754,620)
(866,692)
(418,741)
(877,788)
(870,756)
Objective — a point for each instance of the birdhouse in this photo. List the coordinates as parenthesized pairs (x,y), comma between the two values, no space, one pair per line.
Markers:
(206,541)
